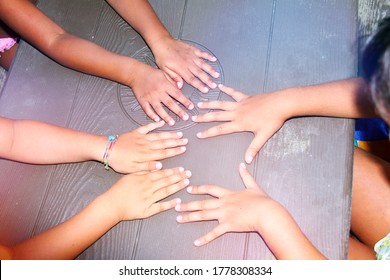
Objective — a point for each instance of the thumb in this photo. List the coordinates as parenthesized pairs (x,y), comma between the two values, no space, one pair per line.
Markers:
(254,147)
(247,178)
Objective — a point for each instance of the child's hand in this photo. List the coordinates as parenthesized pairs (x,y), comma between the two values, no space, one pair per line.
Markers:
(182,61)
(262,114)
(138,150)
(153,90)
(241,211)
(137,196)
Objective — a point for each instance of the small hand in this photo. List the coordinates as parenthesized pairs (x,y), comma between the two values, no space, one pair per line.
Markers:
(139,150)
(153,90)
(182,61)
(260,114)
(235,211)
(137,196)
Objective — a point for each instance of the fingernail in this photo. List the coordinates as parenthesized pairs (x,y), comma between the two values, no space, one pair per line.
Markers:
(171,122)
(220,85)
(185,117)
(178,201)
(213,58)
(158,165)
(185,141)
(156,119)
(242,165)
(189,189)
(191,106)
(200,104)
(188,173)
(186,182)
(180,134)
(196,242)
(213,85)
(179,84)
(248,159)
(181,169)
(205,90)
(183,149)
(179,218)
(194,118)
(216,75)
(199,134)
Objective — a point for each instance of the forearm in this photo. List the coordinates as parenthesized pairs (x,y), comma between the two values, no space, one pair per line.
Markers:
(71,51)
(69,239)
(345,98)
(141,16)
(284,237)
(40,143)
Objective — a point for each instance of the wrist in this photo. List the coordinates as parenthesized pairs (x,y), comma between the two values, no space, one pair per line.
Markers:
(159,41)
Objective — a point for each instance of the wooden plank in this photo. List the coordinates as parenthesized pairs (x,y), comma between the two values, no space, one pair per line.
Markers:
(307,165)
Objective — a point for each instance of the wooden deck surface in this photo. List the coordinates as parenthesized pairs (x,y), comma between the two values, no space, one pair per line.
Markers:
(261,46)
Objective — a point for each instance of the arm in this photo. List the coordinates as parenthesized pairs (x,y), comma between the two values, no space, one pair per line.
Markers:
(344,99)
(178,60)
(249,210)
(150,85)
(42,143)
(134,196)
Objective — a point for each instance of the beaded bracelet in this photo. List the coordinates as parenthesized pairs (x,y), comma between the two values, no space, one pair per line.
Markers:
(110,145)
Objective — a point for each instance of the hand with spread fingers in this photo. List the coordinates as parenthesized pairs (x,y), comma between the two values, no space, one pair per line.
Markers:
(257,114)
(180,60)
(249,210)
(154,91)
(140,150)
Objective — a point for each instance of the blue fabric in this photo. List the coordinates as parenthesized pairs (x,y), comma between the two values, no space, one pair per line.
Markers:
(371,130)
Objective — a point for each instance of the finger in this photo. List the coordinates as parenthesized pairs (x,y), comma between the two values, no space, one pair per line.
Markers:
(159,207)
(166,144)
(208,69)
(170,189)
(221,129)
(218,105)
(168,153)
(255,146)
(147,166)
(212,190)
(174,77)
(201,73)
(162,184)
(158,108)
(150,127)
(221,116)
(236,95)
(157,175)
(216,232)
(181,98)
(247,178)
(172,103)
(199,205)
(198,216)
(193,80)
(204,55)
(164,135)
(150,112)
